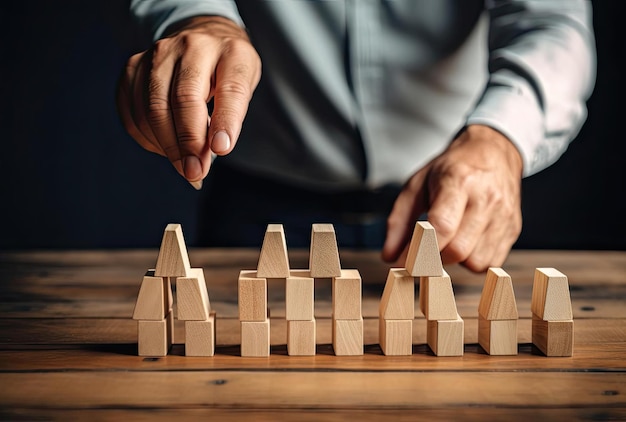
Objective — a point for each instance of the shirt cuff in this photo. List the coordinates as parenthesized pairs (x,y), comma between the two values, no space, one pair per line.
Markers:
(510,106)
(158,16)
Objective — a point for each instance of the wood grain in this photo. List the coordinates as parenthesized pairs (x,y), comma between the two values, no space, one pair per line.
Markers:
(68,347)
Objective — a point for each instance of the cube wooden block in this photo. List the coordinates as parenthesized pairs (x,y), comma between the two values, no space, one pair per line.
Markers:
(498,337)
(200,337)
(252,296)
(347,295)
(192,297)
(154,338)
(398,299)
(395,336)
(273,259)
(445,337)
(155,299)
(173,260)
(437,298)
(255,338)
(497,301)
(324,254)
(423,258)
(551,299)
(348,337)
(299,298)
(553,338)
(301,338)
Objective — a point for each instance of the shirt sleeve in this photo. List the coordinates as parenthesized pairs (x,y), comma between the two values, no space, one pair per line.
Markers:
(155,16)
(542,65)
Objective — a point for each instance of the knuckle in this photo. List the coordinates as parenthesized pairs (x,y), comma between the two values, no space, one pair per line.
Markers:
(458,249)
(444,227)
(234,87)
(478,263)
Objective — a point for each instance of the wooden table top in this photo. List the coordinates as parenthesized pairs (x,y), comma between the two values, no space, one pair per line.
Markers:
(68,348)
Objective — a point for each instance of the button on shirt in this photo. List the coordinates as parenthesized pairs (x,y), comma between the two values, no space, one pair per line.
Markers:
(363,93)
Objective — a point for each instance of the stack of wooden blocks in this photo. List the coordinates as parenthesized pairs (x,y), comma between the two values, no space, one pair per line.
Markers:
(324,263)
(445,328)
(153,308)
(551,306)
(497,314)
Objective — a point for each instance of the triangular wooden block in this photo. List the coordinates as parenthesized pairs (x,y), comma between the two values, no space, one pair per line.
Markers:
(424,258)
(173,260)
(193,297)
(398,299)
(551,299)
(273,260)
(437,298)
(324,254)
(154,300)
(497,301)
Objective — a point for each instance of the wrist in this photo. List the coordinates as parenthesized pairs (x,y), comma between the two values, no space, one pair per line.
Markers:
(494,142)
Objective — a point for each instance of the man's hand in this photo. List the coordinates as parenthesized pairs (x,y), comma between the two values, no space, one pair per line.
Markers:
(163,93)
(472,194)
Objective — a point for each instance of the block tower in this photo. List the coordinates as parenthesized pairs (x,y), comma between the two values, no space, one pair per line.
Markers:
(553,323)
(153,308)
(444,329)
(347,317)
(324,263)
(497,314)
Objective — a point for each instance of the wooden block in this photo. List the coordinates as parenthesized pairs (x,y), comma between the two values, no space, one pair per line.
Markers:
(553,338)
(348,337)
(324,254)
(347,295)
(200,337)
(155,299)
(192,297)
(395,336)
(154,338)
(173,260)
(301,338)
(445,337)
(252,296)
(398,299)
(273,260)
(498,337)
(497,301)
(424,258)
(551,300)
(299,298)
(255,338)
(438,298)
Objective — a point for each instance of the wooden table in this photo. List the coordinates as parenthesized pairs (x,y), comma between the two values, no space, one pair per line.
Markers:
(68,348)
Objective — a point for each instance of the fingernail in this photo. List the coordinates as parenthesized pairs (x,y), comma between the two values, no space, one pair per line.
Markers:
(197,184)
(221,142)
(192,167)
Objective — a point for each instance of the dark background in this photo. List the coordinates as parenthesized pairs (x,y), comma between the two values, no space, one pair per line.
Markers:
(72,178)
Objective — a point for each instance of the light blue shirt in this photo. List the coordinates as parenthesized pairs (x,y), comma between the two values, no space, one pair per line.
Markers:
(365,92)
